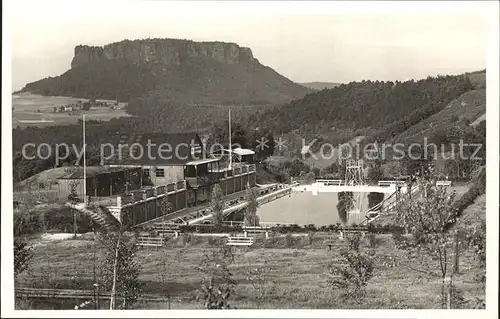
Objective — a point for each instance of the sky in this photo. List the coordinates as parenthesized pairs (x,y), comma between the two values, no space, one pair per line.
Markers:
(327,42)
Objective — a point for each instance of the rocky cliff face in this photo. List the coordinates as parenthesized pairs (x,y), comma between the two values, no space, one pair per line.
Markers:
(167,51)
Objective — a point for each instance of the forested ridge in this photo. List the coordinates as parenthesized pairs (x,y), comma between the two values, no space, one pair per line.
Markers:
(387,108)
(377,109)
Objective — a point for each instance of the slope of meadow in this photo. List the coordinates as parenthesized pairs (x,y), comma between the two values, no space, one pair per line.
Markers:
(468,107)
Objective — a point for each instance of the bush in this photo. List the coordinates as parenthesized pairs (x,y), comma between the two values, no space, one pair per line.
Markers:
(57,219)
(212,241)
(310,237)
(186,239)
(373,240)
(26,223)
(310,227)
(384,229)
(289,240)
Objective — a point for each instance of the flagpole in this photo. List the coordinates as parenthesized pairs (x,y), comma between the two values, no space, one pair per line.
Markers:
(230,144)
(84,167)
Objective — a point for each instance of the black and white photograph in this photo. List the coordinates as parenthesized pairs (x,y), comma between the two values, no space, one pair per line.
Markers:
(250,158)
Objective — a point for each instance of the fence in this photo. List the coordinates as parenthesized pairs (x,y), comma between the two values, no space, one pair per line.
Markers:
(43,293)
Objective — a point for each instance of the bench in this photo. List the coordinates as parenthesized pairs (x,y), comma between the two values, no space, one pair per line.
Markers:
(239,241)
(333,243)
(150,241)
(255,230)
(353,230)
(443,183)
(167,228)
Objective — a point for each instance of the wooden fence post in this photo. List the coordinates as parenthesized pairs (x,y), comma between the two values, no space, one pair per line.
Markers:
(455,254)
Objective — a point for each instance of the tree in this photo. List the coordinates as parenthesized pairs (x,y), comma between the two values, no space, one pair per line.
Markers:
(170,263)
(375,174)
(217,205)
(251,218)
(476,239)
(239,135)
(22,255)
(120,269)
(344,205)
(218,284)
(73,199)
(353,276)
(165,206)
(259,282)
(263,150)
(429,245)
(73,195)
(396,169)
(308,178)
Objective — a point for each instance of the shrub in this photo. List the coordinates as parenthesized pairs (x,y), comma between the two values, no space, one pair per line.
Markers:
(373,240)
(289,242)
(310,237)
(352,278)
(186,239)
(310,227)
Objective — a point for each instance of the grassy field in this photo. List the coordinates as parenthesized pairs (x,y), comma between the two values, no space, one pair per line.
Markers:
(31,107)
(296,272)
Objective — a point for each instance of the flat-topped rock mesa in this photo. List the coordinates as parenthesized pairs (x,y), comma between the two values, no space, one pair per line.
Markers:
(152,72)
(167,51)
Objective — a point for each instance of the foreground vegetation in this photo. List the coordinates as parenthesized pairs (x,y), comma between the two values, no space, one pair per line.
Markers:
(295,272)
(422,264)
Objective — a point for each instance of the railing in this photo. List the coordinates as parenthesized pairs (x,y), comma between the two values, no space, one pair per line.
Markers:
(239,241)
(142,194)
(40,293)
(160,190)
(137,196)
(327,182)
(389,204)
(266,195)
(150,193)
(214,176)
(150,241)
(389,183)
(170,187)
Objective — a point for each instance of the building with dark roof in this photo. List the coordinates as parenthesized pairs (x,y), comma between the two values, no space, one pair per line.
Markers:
(100,181)
(162,156)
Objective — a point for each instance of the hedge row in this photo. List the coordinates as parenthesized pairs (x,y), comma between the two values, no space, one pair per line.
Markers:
(285,229)
(56,219)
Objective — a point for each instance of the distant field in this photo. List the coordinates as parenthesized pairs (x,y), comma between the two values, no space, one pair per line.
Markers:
(33,107)
(304,208)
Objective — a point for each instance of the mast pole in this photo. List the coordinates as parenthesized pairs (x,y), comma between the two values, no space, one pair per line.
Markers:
(230,144)
(84,167)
